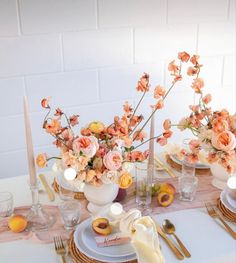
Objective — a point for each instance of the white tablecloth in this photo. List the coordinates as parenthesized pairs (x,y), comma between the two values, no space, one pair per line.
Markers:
(206,240)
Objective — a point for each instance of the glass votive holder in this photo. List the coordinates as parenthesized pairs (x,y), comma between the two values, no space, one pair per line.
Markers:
(231,185)
(187,187)
(70,212)
(6,204)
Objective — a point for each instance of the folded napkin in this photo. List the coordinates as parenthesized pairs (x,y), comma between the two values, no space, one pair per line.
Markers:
(143,235)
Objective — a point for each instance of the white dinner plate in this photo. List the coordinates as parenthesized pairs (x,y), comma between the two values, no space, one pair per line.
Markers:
(89,253)
(88,237)
(197,165)
(224,200)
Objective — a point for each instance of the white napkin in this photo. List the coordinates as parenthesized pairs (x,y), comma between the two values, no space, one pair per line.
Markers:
(144,237)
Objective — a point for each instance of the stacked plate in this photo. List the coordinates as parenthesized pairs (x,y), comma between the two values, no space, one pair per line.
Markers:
(84,239)
(227,205)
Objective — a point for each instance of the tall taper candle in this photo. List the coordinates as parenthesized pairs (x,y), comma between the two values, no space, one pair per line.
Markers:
(151,142)
(29,143)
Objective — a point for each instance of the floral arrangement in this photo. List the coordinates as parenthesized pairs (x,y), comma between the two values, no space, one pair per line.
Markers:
(215,130)
(102,154)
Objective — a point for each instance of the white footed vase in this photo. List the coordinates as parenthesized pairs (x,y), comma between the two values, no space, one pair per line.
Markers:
(100,197)
(220,176)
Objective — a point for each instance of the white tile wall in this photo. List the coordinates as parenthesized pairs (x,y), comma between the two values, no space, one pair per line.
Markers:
(57,15)
(89,54)
(8,18)
(89,49)
(131,13)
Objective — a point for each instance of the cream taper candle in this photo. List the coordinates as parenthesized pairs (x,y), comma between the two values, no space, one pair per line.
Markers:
(29,143)
(151,142)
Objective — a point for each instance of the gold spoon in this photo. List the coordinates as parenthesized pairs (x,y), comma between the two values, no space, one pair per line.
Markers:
(169,228)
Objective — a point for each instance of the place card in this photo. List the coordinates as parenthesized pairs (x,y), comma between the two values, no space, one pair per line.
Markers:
(112,240)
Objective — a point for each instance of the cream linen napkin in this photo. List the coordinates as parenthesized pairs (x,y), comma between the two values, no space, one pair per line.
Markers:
(144,237)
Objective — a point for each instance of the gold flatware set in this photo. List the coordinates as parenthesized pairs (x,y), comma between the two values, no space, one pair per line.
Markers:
(212,212)
(60,248)
(159,164)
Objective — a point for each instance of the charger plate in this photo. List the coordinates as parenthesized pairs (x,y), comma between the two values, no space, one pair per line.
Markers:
(229,215)
(178,167)
(79,257)
(77,195)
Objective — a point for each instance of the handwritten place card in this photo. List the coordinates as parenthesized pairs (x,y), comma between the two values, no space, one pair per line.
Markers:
(112,240)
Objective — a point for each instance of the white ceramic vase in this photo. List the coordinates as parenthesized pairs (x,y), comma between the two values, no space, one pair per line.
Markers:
(100,197)
(220,175)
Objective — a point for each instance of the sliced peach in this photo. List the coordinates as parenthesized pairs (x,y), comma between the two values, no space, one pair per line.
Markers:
(101,226)
(168,188)
(165,199)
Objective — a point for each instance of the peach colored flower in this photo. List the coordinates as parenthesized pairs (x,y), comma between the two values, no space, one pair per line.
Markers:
(167,124)
(159,104)
(74,120)
(177,78)
(212,157)
(86,132)
(192,158)
(41,160)
(127,141)
(136,156)
(87,145)
(139,136)
(219,125)
(58,112)
(192,71)
(96,127)
(97,163)
(194,146)
(90,175)
(82,162)
(172,67)
(53,127)
(224,141)
(113,160)
(45,103)
(167,134)
(135,120)
(162,141)
(194,59)
(69,160)
(67,135)
(207,99)
(197,85)
(109,177)
(127,108)
(194,108)
(143,83)
(159,92)
(183,124)
(183,56)
(125,180)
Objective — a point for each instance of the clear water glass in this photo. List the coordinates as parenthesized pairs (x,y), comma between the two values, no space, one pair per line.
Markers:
(70,212)
(144,177)
(6,204)
(187,187)
(188,169)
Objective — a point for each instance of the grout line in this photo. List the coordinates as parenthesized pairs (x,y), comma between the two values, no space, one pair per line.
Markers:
(96,14)
(133,46)
(167,13)
(62,52)
(19,17)
(197,39)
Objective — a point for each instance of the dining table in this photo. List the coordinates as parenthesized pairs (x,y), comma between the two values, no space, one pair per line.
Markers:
(205,237)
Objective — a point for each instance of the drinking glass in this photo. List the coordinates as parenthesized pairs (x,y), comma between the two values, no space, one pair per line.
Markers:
(144,176)
(64,188)
(188,169)
(6,204)
(70,212)
(187,187)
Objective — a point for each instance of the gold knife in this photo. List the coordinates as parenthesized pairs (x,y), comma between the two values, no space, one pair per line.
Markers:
(165,167)
(178,254)
(49,191)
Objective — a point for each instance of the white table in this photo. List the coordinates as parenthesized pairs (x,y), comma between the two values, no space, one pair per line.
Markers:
(206,240)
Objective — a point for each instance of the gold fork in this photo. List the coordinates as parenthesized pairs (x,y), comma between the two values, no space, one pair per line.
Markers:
(60,248)
(212,213)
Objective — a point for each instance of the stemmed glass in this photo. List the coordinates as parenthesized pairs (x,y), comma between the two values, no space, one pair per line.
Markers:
(144,176)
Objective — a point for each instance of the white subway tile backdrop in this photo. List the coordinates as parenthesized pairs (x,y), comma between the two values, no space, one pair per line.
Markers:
(88,55)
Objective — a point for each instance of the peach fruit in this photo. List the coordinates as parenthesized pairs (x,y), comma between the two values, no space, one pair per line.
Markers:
(165,198)
(17,223)
(101,226)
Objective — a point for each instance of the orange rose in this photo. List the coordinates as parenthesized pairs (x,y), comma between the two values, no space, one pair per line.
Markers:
(224,141)
(41,160)
(125,180)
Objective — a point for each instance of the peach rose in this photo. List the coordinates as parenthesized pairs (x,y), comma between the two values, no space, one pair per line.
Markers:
(41,160)
(113,160)
(87,145)
(220,125)
(109,177)
(125,180)
(224,141)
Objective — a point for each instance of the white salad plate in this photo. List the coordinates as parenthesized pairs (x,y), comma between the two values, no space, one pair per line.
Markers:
(197,165)
(224,197)
(88,237)
(86,246)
